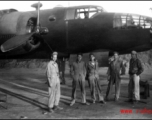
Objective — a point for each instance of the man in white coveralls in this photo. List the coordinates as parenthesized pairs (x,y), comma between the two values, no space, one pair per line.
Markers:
(53,83)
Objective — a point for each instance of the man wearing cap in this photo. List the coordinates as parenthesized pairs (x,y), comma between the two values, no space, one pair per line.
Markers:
(78,73)
(115,67)
(54,83)
(93,79)
(135,69)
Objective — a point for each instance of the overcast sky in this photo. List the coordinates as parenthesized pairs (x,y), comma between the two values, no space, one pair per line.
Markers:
(137,7)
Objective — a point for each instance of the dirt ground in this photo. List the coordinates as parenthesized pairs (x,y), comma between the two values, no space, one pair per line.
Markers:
(27,96)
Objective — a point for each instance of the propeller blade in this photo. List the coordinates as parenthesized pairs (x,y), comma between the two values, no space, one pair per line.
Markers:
(37,6)
(15,42)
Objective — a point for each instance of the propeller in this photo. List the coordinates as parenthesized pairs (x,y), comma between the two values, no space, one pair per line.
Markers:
(20,40)
(15,42)
(37,7)
(52,18)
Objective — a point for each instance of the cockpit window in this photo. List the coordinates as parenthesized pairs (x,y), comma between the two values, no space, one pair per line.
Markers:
(83,13)
(86,13)
(125,21)
(93,11)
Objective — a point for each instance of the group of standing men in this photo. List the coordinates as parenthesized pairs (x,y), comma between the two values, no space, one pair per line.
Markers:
(135,69)
(81,71)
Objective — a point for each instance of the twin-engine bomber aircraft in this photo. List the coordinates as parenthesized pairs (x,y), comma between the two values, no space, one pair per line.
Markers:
(70,30)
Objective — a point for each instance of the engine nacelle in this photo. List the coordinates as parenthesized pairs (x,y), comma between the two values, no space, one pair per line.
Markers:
(33,43)
(17,23)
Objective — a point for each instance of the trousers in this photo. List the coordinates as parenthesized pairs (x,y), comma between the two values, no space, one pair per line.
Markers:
(81,81)
(54,95)
(95,86)
(133,87)
(117,88)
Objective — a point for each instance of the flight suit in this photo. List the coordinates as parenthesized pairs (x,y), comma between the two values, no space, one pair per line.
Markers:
(78,72)
(93,80)
(114,78)
(54,84)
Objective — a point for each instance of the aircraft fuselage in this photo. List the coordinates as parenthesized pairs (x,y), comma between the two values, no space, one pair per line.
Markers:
(101,31)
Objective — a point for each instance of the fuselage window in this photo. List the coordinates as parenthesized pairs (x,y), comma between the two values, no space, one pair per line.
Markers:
(127,21)
(117,23)
(70,14)
(123,18)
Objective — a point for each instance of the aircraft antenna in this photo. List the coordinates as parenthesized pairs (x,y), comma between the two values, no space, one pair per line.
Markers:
(48,45)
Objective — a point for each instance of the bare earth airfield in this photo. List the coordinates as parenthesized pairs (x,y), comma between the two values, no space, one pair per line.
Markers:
(27,96)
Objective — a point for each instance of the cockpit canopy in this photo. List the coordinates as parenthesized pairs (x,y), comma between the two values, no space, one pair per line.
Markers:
(123,21)
(83,12)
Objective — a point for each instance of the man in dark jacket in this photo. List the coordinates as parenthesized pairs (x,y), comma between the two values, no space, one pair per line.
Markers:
(135,69)
(78,73)
(114,69)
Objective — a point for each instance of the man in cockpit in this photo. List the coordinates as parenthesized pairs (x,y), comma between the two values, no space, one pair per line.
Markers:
(86,15)
(77,16)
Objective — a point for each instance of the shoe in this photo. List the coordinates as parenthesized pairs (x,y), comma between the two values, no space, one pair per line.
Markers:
(136,102)
(106,99)
(23,117)
(57,108)
(116,99)
(85,103)
(103,102)
(62,83)
(130,100)
(46,83)
(50,110)
(72,103)
(45,113)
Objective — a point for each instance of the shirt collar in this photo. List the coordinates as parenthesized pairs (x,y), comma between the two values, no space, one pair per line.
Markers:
(54,63)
